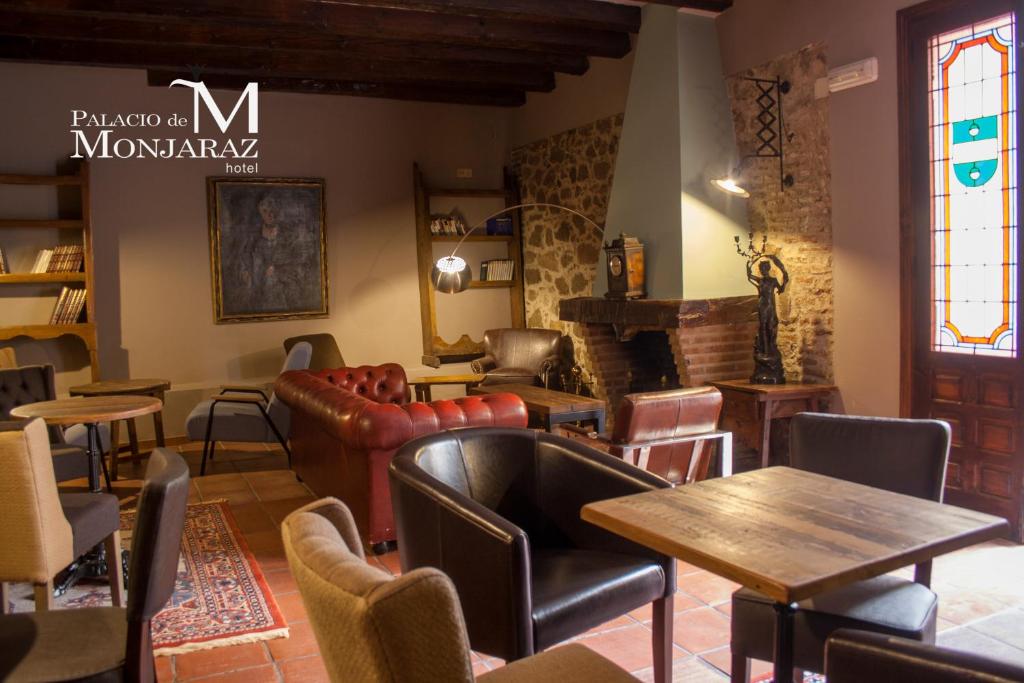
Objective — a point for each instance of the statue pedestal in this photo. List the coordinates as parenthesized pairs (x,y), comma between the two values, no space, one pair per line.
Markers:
(768,368)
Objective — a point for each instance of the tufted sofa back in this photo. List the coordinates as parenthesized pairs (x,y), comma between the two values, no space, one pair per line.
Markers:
(28,384)
(381,383)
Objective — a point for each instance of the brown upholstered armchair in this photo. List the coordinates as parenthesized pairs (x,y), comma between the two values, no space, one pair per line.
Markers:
(498,510)
(373,627)
(666,432)
(854,656)
(517,356)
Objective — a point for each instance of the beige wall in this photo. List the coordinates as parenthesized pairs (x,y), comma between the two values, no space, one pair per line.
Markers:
(152,255)
(865,181)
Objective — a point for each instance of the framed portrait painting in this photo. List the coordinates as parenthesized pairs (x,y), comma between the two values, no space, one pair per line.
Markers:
(267,248)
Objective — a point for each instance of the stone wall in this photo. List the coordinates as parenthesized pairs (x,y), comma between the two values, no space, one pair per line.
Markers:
(561,251)
(798,221)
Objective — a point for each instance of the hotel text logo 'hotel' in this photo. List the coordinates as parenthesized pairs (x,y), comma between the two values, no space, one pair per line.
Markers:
(99,135)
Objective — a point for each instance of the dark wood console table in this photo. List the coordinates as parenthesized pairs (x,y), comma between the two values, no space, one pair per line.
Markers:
(748,409)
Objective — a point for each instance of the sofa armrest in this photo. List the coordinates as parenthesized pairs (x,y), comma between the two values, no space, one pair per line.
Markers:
(861,656)
(484,364)
(485,555)
(573,474)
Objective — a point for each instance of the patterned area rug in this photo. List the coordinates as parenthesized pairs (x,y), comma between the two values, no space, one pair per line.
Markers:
(220,598)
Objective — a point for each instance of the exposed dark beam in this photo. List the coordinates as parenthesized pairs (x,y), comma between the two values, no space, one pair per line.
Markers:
(476,96)
(707,5)
(334,65)
(362,22)
(605,16)
(175,31)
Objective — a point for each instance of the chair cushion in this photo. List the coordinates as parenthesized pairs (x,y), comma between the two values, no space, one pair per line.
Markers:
(231,422)
(62,645)
(93,517)
(885,604)
(69,462)
(574,662)
(77,435)
(575,590)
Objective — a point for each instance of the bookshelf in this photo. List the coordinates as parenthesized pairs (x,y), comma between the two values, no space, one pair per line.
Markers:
(436,350)
(84,331)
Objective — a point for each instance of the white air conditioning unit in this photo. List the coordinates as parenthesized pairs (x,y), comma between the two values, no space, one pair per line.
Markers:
(852,75)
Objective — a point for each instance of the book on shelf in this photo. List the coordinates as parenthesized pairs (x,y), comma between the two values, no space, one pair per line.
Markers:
(502,225)
(69,306)
(67,258)
(497,270)
(42,261)
(4,269)
(447,224)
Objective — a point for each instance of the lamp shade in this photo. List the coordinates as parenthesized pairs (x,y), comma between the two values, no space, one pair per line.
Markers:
(451,275)
(729,185)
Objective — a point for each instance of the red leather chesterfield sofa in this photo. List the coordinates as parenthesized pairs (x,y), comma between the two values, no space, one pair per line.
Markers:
(347,423)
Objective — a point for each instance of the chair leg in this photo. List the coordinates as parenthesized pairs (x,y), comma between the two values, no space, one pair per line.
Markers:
(112,544)
(44,595)
(661,640)
(206,440)
(5,597)
(740,668)
(277,434)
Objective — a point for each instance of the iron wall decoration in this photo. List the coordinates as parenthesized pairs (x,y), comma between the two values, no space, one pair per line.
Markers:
(268,252)
(767,357)
(772,132)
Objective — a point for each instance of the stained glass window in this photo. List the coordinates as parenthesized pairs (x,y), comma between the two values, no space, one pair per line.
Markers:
(973,119)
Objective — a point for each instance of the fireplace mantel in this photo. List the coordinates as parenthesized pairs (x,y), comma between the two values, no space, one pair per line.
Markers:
(630,316)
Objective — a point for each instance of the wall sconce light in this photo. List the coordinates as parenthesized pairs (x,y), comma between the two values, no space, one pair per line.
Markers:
(771,135)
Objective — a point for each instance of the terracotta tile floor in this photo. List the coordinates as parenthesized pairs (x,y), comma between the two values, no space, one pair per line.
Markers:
(981,592)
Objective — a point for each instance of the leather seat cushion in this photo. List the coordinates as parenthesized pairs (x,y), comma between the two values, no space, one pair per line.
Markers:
(231,422)
(93,517)
(69,462)
(885,604)
(575,590)
(62,645)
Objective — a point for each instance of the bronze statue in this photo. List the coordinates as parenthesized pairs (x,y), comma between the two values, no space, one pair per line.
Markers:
(767,358)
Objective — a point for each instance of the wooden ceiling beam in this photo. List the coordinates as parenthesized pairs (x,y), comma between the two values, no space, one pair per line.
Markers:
(495,97)
(204,34)
(359,21)
(604,16)
(335,66)
(706,5)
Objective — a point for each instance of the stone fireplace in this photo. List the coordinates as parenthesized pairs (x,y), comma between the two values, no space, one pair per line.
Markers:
(650,344)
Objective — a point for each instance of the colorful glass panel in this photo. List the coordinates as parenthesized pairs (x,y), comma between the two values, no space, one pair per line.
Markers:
(973,119)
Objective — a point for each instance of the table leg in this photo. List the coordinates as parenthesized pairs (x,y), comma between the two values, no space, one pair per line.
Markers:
(725,454)
(599,419)
(158,422)
(784,641)
(766,434)
(115,447)
(133,439)
(662,639)
(95,451)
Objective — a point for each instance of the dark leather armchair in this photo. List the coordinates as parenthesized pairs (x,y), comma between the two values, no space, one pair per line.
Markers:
(857,656)
(326,354)
(904,456)
(498,511)
(666,432)
(517,356)
(34,383)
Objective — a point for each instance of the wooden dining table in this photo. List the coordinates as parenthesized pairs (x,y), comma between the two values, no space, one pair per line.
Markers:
(791,534)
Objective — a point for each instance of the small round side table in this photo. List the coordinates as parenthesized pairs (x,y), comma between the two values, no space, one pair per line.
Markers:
(90,411)
(127,387)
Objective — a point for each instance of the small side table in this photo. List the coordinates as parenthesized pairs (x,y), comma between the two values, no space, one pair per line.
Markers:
(748,409)
(128,387)
(423,385)
(90,411)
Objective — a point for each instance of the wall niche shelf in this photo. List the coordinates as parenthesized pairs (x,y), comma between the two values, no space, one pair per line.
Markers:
(84,331)
(436,351)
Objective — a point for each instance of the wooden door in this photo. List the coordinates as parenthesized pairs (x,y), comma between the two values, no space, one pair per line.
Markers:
(960,243)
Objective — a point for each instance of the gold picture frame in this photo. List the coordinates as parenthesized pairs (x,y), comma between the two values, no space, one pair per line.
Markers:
(267,242)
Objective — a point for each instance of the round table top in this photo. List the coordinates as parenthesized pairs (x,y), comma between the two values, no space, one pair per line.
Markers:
(89,409)
(114,387)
